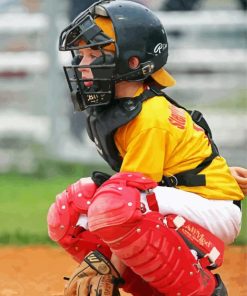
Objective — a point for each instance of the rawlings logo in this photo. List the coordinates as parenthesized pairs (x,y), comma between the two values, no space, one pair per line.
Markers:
(160,47)
(92,258)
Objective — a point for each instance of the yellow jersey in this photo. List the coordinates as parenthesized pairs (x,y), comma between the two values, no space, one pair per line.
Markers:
(164,140)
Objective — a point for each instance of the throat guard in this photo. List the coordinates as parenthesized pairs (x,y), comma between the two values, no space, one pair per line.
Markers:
(102,122)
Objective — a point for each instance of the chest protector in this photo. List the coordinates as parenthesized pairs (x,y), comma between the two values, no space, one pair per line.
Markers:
(102,122)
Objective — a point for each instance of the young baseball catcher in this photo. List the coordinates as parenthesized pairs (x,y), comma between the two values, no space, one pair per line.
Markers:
(159,225)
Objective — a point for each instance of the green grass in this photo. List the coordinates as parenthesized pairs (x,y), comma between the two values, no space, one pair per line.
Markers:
(25,199)
(242,238)
(24,204)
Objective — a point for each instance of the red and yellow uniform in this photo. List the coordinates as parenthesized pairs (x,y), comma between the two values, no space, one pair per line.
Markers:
(164,140)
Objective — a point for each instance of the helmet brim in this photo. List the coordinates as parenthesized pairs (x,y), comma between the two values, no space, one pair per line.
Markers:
(163,78)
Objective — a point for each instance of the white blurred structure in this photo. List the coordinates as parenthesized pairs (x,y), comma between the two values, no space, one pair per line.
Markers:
(207,57)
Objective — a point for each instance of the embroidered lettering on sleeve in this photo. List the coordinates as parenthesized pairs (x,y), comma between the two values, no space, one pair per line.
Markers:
(177,117)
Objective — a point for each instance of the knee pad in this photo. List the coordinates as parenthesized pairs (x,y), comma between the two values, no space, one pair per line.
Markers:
(64,213)
(114,210)
(116,206)
(62,221)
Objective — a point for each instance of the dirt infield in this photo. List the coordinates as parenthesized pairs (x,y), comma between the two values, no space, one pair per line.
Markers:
(39,271)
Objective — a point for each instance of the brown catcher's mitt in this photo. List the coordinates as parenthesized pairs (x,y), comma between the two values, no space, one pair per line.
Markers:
(95,276)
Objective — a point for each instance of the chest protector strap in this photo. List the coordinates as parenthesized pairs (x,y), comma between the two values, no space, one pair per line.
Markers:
(190,178)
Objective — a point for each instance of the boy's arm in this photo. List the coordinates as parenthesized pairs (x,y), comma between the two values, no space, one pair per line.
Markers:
(240,175)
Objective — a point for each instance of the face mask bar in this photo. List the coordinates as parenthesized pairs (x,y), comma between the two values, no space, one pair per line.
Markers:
(101,92)
(102,89)
(84,29)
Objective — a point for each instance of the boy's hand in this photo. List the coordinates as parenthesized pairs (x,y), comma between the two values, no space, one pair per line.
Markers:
(240,175)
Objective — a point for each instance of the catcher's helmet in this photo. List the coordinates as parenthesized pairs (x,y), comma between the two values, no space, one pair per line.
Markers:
(125,29)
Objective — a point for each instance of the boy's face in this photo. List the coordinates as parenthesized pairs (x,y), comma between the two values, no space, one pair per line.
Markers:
(88,56)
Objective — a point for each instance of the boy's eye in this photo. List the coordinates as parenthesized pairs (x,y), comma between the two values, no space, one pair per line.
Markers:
(94,56)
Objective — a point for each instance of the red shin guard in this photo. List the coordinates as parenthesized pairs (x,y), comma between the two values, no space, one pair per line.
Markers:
(151,247)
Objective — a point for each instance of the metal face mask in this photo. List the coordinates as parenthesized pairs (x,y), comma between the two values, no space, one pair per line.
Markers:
(82,33)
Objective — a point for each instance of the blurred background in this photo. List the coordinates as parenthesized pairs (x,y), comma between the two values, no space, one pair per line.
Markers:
(43,143)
